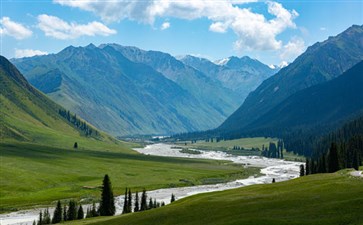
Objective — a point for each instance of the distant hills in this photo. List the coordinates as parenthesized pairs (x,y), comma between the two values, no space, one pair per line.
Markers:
(242,75)
(28,115)
(126,90)
(273,104)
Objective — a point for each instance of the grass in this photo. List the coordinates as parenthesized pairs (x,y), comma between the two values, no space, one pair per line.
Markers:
(332,199)
(33,174)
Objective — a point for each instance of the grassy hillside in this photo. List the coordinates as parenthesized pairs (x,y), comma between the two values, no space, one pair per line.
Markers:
(28,115)
(315,199)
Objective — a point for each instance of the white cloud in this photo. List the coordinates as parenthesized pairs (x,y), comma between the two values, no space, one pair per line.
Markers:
(20,53)
(253,30)
(323,28)
(292,49)
(55,27)
(13,29)
(218,27)
(165,26)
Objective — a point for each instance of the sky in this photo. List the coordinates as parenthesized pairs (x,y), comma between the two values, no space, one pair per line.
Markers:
(270,31)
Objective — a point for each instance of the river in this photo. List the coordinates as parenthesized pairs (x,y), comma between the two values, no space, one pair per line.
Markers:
(278,169)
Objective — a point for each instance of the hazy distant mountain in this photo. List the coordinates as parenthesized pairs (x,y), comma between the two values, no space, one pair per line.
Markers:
(123,97)
(325,104)
(206,89)
(320,63)
(242,75)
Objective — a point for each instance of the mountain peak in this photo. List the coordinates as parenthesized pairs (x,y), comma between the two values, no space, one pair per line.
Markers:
(91,46)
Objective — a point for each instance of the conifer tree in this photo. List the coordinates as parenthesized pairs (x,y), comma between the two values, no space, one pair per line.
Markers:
(129,202)
(80,213)
(75,145)
(136,208)
(57,215)
(143,206)
(273,180)
(125,210)
(172,198)
(307,167)
(107,204)
(333,159)
(150,203)
(46,217)
(302,170)
(65,213)
(88,213)
(72,210)
(94,211)
(40,221)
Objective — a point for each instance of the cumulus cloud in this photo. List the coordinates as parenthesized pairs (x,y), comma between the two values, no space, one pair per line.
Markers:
(165,26)
(20,53)
(218,27)
(253,30)
(13,29)
(292,49)
(55,27)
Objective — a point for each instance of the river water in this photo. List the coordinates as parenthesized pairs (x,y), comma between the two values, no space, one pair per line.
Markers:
(278,169)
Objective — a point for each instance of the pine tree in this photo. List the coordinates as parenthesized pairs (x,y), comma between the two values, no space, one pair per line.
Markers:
(75,145)
(94,212)
(65,213)
(302,170)
(46,217)
(307,167)
(172,198)
(57,215)
(88,213)
(136,208)
(129,202)
(40,221)
(273,180)
(124,211)
(333,158)
(72,210)
(80,213)
(150,203)
(107,204)
(143,206)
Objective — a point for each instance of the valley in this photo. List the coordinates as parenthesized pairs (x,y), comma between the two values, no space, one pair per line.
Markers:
(182,129)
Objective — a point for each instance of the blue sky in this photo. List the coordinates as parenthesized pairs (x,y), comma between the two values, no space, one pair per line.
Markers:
(271,31)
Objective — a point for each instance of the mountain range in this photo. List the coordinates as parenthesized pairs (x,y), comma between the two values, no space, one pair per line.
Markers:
(28,115)
(273,101)
(126,90)
(324,105)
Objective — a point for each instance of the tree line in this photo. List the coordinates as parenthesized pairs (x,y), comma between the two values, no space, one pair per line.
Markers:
(81,125)
(73,211)
(340,149)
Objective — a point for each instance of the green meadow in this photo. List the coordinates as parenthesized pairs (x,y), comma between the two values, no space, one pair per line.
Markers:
(333,199)
(33,174)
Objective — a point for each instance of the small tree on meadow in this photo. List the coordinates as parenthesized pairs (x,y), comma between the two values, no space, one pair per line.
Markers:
(107,204)
(72,210)
(143,201)
(136,208)
(172,198)
(57,215)
(302,170)
(80,213)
